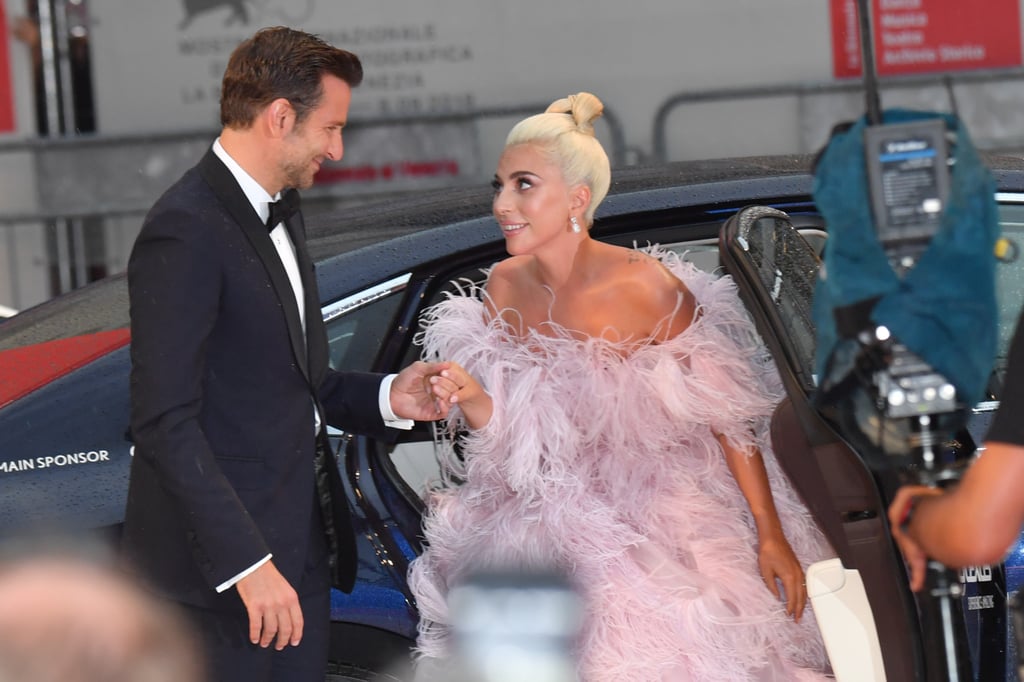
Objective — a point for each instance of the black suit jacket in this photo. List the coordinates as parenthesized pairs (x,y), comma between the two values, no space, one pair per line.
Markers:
(223,390)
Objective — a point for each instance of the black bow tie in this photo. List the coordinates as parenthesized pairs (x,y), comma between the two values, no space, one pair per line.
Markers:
(282,209)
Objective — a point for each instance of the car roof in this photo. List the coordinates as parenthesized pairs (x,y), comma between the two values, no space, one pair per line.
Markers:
(373,238)
(367,240)
(424,226)
(388,235)
(361,223)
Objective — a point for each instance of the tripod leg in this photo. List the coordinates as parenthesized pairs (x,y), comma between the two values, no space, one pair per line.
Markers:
(947,656)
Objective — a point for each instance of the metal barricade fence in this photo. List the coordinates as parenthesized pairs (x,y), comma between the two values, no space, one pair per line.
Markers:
(990,102)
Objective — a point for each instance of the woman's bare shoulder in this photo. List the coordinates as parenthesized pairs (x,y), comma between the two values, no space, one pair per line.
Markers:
(507,267)
(506,274)
(654,293)
(646,273)
(504,281)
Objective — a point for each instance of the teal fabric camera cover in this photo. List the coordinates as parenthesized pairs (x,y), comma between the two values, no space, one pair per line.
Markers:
(944,309)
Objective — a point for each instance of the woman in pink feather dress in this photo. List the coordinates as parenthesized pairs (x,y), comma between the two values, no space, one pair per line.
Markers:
(614,406)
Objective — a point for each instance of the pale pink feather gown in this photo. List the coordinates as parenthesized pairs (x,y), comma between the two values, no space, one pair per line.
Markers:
(602,463)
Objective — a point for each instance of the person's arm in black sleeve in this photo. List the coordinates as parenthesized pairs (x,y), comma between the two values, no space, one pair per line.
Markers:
(174,289)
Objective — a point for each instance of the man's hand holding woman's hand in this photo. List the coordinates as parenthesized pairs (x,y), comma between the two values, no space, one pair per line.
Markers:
(413,396)
(426,391)
(453,385)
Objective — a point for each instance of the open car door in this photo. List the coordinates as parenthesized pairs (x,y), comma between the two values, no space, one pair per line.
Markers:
(775,270)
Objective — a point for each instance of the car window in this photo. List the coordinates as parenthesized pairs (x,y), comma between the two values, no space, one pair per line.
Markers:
(357,327)
(357,324)
(704,252)
(782,263)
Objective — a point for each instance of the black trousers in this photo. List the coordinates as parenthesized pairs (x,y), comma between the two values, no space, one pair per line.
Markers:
(231,657)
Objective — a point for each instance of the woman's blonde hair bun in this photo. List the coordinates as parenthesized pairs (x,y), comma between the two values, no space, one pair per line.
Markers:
(584,108)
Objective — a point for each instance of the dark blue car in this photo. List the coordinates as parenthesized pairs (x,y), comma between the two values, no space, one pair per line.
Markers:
(65,452)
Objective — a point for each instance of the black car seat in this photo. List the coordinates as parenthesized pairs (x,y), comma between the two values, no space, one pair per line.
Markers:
(776,270)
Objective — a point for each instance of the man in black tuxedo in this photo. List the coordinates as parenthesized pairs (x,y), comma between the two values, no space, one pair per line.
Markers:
(235,507)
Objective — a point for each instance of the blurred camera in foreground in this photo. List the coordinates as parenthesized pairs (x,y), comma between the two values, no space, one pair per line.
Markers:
(511,626)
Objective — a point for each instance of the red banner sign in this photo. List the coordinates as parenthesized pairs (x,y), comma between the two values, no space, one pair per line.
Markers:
(6,92)
(925,36)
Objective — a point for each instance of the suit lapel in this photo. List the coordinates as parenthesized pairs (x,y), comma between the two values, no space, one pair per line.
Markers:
(235,201)
(316,336)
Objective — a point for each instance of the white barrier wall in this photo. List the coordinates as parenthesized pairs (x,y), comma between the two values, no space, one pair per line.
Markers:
(454,55)
(158,64)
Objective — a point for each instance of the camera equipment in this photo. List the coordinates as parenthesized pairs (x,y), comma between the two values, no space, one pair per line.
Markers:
(908,174)
(511,626)
(893,374)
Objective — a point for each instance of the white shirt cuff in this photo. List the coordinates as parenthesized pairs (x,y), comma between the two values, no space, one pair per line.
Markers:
(384,401)
(231,581)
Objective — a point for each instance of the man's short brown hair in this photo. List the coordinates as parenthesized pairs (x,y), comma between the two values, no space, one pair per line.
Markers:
(281,62)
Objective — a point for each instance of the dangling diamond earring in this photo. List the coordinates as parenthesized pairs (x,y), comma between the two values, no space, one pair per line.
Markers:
(575,224)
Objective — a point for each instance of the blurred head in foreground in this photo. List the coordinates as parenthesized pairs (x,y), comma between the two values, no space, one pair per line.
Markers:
(67,619)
